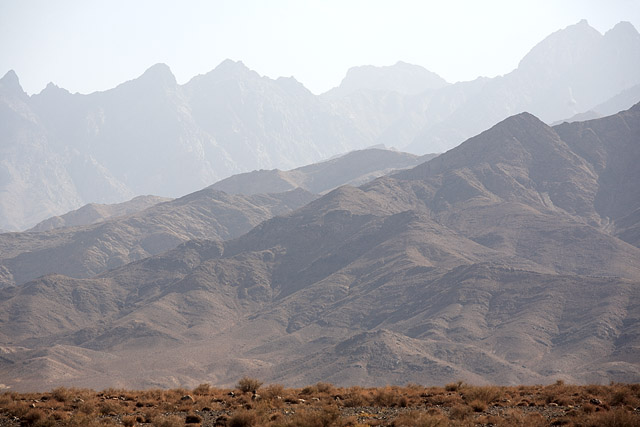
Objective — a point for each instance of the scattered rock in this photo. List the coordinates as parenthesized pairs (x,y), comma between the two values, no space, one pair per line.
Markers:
(595,401)
(187,398)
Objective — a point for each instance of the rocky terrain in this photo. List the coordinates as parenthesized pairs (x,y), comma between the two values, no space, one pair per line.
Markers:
(96,212)
(152,135)
(322,404)
(94,238)
(510,259)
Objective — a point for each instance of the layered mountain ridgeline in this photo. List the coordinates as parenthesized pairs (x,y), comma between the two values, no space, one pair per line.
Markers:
(355,168)
(84,251)
(571,71)
(154,136)
(136,231)
(498,261)
(95,212)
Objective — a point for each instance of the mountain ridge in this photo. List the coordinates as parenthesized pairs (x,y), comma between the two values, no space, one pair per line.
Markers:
(139,137)
(469,266)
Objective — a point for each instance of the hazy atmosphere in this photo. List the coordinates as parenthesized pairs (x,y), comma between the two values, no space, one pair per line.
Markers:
(305,213)
(90,45)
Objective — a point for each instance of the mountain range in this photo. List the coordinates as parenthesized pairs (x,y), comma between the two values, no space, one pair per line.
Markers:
(511,258)
(95,238)
(60,151)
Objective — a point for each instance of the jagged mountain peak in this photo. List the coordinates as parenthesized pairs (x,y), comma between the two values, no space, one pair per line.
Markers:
(52,90)
(10,83)
(160,73)
(226,70)
(233,69)
(562,48)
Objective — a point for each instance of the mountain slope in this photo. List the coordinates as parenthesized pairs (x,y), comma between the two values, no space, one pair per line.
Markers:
(354,168)
(93,213)
(482,265)
(88,250)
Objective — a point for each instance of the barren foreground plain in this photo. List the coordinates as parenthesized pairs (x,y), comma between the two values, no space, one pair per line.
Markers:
(322,404)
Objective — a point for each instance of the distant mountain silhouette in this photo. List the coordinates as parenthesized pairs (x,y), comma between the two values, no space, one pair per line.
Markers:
(354,168)
(512,258)
(569,72)
(153,136)
(94,213)
(407,79)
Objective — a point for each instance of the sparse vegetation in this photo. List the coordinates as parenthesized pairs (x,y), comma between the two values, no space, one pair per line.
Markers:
(325,405)
(249,385)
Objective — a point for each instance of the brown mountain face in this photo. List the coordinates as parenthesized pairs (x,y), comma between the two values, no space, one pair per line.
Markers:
(84,251)
(497,261)
(97,212)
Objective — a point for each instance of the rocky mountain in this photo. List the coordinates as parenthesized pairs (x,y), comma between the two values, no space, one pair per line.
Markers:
(151,135)
(61,150)
(355,168)
(84,251)
(570,71)
(509,259)
(95,212)
(96,237)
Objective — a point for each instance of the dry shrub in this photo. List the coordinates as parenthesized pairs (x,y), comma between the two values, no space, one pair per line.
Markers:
(309,390)
(202,390)
(446,399)
(420,419)
(478,405)
(109,408)
(327,388)
(615,418)
(385,397)
(513,417)
(355,396)
(272,391)
(168,421)
(33,417)
(460,412)
(325,417)
(623,394)
(243,419)
(129,421)
(454,386)
(247,385)
(61,394)
(486,394)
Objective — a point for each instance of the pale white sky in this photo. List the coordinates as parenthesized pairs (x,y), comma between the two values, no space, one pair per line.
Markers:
(89,45)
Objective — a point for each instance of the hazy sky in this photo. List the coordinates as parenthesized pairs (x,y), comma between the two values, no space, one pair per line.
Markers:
(89,45)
